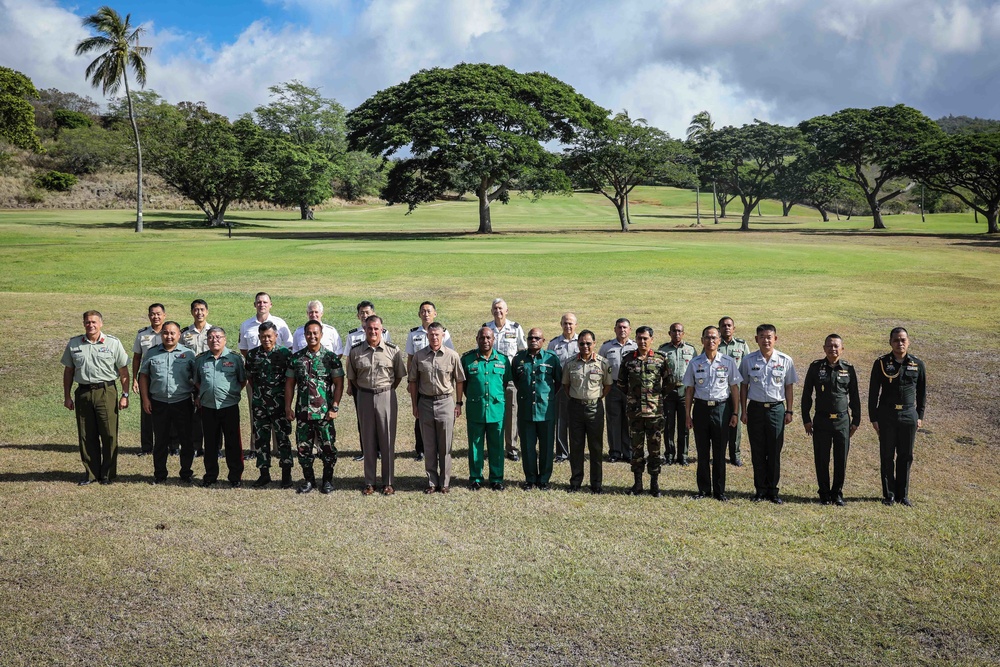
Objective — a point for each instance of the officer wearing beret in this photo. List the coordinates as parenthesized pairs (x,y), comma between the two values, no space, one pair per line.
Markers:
(897,393)
(838,414)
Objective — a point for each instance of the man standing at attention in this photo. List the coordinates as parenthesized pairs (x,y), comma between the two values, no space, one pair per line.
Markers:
(835,384)
(736,348)
(897,394)
(619,441)
(195,338)
(679,355)
(331,339)
(766,396)
(219,380)
(508,340)
(646,381)
(587,377)
(147,338)
(417,340)
(94,361)
(435,378)
(487,373)
(537,376)
(565,347)
(267,368)
(250,329)
(356,336)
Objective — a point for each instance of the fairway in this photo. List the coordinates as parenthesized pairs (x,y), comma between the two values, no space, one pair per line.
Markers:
(169,575)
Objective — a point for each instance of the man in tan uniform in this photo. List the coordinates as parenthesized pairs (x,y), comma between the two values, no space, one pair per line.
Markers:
(375,368)
(146,339)
(435,378)
(588,379)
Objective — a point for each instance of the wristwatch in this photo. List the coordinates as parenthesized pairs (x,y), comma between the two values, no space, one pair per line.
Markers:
(335,408)
(458,403)
(124,394)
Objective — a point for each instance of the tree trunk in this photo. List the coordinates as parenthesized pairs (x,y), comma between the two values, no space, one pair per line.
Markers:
(485,224)
(304,211)
(822,212)
(876,211)
(722,208)
(218,218)
(622,216)
(991,220)
(786,207)
(745,224)
(138,158)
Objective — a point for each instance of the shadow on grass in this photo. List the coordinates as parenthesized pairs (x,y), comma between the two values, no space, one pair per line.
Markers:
(47,447)
(67,476)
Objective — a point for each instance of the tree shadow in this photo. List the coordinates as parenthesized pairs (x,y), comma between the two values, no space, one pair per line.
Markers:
(66,476)
(47,447)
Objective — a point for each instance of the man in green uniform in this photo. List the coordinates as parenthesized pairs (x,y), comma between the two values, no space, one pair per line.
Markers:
(319,377)
(737,348)
(679,355)
(897,393)
(219,378)
(835,383)
(94,361)
(487,373)
(537,377)
(166,383)
(587,377)
(145,339)
(645,379)
(267,366)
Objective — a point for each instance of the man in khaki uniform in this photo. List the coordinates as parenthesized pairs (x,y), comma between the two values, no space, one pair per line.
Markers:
(587,377)
(195,337)
(435,378)
(375,368)
(147,338)
(94,361)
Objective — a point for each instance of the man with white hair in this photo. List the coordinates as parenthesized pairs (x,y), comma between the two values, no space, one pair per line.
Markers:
(508,340)
(330,340)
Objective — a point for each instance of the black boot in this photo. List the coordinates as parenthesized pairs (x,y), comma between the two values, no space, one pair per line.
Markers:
(327,485)
(654,485)
(286,477)
(264,479)
(637,487)
(309,480)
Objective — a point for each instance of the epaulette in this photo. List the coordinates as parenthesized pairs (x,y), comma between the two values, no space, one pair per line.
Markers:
(738,340)
(607,341)
(817,362)
(357,344)
(354,329)
(516,325)
(844,361)
(486,324)
(657,352)
(142,329)
(414,329)
(388,344)
(184,330)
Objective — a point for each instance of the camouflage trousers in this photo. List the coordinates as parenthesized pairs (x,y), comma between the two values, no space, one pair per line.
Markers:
(265,420)
(319,433)
(648,431)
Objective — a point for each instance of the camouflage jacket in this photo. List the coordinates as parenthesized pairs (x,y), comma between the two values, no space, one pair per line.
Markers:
(266,372)
(314,374)
(645,381)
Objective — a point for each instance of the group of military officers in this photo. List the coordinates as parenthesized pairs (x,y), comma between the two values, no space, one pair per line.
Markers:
(524,400)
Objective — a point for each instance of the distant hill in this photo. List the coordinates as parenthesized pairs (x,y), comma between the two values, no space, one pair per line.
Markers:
(966,125)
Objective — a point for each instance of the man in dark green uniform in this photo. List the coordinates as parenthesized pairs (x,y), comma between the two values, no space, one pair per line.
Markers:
(737,348)
(319,377)
(835,384)
(897,393)
(645,379)
(95,360)
(537,377)
(679,355)
(487,373)
(267,366)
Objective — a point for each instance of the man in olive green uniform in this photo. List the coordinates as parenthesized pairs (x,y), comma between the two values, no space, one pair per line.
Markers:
(679,355)
(897,394)
(267,366)
(835,383)
(737,348)
(145,339)
(587,377)
(219,378)
(166,384)
(318,375)
(645,379)
(195,338)
(487,373)
(537,377)
(94,361)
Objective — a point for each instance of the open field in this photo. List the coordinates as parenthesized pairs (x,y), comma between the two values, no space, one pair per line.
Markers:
(141,575)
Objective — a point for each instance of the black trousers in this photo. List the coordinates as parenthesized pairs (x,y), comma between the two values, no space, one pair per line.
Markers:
(167,418)
(711,431)
(831,434)
(586,423)
(675,431)
(897,430)
(218,426)
(766,432)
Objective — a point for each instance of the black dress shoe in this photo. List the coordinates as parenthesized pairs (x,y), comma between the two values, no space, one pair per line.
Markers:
(888,502)
(85,481)
(157,482)
(306,487)
(906,502)
(419,457)
(699,496)
(475,486)
(188,480)
(596,490)
(612,458)
(105,481)
(573,489)
(738,463)
(757,498)
(776,500)
(327,487)
(359,457)
(236,485)
(199,453)
(722,498)
(514,457)
(528,486)
(496,486)
(544,487)
(839,502)
(562,458)
(205,484)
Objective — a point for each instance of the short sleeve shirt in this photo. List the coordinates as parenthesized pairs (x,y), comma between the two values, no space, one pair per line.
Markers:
(96,361)
(586,379)
(314,373)
(250,333)
(221,380)
(375,367)
(766,378)
(509,339)
(194,340)
(564,348)
(416,340)
(171,374)
(613,351)
(145,340)
(330,339)
(436,373)
(712,379)
(486,378)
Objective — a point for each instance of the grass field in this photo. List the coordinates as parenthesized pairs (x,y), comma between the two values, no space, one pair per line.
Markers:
(133,574)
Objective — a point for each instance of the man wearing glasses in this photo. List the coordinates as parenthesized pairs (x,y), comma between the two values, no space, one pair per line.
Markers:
(587,377)
(219,380)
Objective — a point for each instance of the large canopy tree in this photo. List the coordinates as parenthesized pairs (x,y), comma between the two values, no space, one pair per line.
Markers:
(17,116)
(744,160)
(488,118)
(804,181)
(865,141)
(117,42)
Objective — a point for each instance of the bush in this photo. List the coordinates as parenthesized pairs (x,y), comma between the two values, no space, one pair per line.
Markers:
(55,180)
(29,196)
(950,204)
(71,120)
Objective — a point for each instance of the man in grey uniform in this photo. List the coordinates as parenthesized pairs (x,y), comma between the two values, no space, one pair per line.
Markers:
(619,438)
(736,348)
(195,338)
(679,355)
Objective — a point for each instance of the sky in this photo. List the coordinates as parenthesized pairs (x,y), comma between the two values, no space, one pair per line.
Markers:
(781,61)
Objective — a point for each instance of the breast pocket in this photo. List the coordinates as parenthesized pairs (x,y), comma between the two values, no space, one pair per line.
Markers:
(778,376)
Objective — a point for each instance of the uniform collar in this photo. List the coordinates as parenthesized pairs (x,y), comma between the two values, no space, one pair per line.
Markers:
(100,339)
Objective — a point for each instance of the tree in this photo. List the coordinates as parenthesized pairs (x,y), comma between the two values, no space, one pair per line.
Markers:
(701,126)
(361,175)
(804,181)
(118,45)
(615,157)
(488,117)
(865,141)
(17,116)
(964,165)
(744,160)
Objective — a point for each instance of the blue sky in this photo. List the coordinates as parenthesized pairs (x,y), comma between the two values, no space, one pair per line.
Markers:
(663,60)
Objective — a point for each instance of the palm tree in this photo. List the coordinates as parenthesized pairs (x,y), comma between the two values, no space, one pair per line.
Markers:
(118,44)
(701,126)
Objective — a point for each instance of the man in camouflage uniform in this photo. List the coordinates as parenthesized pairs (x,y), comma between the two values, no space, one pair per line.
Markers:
(737,348)
(319,377)
(267,367)
(645,379)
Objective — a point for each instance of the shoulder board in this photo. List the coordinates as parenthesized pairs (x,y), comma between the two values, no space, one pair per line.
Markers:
(660,354)
(414,329)
(738,340)
(355,345)
(184,330)
(142,329)
(392,345)
(354,329)
(516,325)
(486,324)
(819,361)
(610,340)
(845,362)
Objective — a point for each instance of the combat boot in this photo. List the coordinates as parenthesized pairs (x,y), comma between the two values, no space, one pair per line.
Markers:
(654,485)
(637,487)
(264,479)
(309,481)
(327,485)
(286,477)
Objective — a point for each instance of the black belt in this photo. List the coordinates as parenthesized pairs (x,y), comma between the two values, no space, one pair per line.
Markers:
(586,401)
(769,405)
(903,406)
(96,385)
(832,415)
(373,391)
(710,404)
(439,397)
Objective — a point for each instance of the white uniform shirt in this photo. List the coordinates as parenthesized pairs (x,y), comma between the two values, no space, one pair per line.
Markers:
(613,351)
(146,339)
(195,340)
(330,340)
(566,349)
(766,380)
(416,340)
(250,333)
(357,335)
(509,339)
(712,379)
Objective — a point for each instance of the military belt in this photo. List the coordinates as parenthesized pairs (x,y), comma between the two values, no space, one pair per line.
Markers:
(833,415)
(710,404)
(439,397)
(96,385)
(374,391)
(903,406)
(768,406)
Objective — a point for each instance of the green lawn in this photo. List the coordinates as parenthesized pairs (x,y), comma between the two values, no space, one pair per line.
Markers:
(142,575)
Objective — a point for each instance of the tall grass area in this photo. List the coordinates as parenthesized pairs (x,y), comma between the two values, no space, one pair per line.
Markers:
(168,575)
